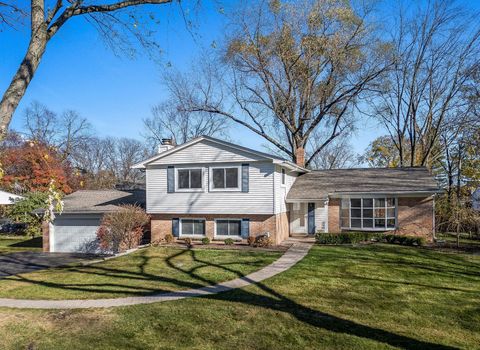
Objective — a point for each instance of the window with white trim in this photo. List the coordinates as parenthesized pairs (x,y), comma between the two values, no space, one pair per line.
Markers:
(189,179)
(225,178)
(192,227)
(228,227)
(369,213)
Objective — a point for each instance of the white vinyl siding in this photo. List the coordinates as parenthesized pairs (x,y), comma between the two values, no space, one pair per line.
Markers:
(281,191)
(321,216)
(206,152)
(258,200)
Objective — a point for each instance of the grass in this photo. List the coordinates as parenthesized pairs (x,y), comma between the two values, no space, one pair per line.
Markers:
(15,244)
(338,297)
(147,271)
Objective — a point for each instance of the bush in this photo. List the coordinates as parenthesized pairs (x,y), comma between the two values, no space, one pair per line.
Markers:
(251,241)
(205,240)
(122,229)
(228,241)
(188,242)
(262,241)
(357,237)
(169,238)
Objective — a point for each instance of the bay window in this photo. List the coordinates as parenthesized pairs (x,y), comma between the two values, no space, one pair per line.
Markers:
(368,213)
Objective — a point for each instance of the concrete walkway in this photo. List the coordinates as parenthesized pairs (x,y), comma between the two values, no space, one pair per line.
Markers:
(293,255)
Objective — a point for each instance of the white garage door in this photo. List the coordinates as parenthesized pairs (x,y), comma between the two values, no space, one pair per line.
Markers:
(73,233)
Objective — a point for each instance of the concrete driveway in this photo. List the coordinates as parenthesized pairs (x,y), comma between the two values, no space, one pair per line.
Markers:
(22,262)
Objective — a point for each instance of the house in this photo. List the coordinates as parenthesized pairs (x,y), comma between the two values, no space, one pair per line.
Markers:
(476,199)
(212,188)
(7,198)
(75,229)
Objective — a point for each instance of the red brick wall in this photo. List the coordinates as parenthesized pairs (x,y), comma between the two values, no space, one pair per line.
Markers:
(415,216)
(334,215)
(161,224)
(46,236)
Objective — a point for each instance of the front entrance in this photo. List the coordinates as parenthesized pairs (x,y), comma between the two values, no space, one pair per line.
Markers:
(311,219)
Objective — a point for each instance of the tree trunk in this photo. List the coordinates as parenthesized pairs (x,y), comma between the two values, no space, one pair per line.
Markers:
(22,78)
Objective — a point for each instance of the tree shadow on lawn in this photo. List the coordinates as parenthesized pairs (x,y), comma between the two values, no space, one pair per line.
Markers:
(272,300)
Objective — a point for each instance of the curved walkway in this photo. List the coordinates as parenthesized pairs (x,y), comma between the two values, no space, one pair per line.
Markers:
(293,255)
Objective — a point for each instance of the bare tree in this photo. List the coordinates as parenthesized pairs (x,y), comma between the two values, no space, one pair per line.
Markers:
(40,123)
(74,131)
(123,154)
(291,68)
(46,22)
(170,119)
(338,154)
(11,14)
(437,50)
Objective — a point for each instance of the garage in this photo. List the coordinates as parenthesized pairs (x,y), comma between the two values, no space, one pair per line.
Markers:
(75,233)
(74,230)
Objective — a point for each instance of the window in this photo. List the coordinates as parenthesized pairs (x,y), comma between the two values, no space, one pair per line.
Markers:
(283,176)
(189,179)
(368,213)
(225,178)
(192,227)
(228,227)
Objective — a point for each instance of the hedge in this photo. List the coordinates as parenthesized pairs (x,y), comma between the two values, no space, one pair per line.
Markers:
(357,237)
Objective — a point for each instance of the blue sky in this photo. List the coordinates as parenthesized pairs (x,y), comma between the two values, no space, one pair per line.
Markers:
(115,93)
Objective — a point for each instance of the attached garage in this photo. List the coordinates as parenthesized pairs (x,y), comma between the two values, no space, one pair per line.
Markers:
(75,233)
(75,229)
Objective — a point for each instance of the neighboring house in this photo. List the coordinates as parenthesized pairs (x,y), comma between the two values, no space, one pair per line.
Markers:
(476,199)
(7,198)
(75,229)
(216,189)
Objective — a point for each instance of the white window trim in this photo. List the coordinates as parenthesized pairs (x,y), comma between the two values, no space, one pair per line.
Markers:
(177,189)
(230,189)
(216,236)
(180,234)
(283,176)
(361,228)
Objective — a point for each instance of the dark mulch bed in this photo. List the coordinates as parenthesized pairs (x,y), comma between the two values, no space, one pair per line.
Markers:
(221,245)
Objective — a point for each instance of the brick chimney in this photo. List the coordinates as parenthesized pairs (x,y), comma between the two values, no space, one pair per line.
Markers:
(300,156)
(166,145)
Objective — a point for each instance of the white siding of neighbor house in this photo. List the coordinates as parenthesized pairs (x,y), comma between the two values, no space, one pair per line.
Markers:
(259,199)
(476,200)
(75,233)
(206,152)
(281,191)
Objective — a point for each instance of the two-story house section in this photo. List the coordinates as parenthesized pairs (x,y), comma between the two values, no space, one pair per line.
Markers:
(216,189)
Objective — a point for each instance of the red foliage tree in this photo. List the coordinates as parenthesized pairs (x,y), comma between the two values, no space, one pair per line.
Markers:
(32,166)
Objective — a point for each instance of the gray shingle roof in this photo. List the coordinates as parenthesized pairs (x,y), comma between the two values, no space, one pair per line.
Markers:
(101,201)
(322,183)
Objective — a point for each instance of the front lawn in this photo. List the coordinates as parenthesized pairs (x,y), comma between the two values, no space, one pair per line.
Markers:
(147,271)
(15,244)
(338,297)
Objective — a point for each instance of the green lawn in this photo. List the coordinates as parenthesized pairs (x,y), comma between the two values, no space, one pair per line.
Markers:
(365,297)
(11,245)
(147,271)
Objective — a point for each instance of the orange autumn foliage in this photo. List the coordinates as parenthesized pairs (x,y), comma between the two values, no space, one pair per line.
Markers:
(32,166)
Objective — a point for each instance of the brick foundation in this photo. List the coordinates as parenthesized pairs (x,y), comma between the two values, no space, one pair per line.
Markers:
(277,225)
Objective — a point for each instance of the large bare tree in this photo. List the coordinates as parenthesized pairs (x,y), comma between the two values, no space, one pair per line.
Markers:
(169,119)
(46,22)
(437,52)
(288,69)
